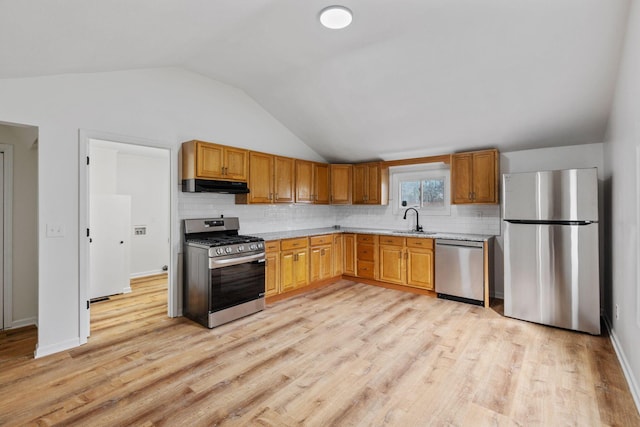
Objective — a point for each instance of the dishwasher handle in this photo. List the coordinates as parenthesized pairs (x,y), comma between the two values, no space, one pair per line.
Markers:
(459,243)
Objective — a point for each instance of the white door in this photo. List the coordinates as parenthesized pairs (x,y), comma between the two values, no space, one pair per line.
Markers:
(109,264)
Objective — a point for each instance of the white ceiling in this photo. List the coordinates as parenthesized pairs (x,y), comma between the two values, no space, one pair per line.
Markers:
(408,78)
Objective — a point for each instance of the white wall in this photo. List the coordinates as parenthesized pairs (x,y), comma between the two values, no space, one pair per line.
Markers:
(25,226)
(165,105)
(567,157)
(146,180)
(622,169)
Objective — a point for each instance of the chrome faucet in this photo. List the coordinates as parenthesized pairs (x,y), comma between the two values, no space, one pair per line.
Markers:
(418,226)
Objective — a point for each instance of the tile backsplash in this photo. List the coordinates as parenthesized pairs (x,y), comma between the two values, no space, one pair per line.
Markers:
(476,219)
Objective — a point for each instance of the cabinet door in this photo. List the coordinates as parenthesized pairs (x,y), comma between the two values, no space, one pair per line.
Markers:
(326,262)
(283,176)
(349,254)
(287,280)
(260,178)
(360,173)
(301,269)
(338,255)
(321,183)
(420,268)
(341,176)
(391,264)
(372,184)
(272,273)
(461,177)
(209,160)
(235,163)
(484,177)
(304,181)
(315,264)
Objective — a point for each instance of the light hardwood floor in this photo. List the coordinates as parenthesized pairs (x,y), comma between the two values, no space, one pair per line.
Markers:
(347,354)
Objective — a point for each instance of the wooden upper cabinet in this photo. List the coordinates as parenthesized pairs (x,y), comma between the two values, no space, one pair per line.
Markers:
(283,179)
(304,181)
(205,160)
(474,177)
(260,178)
(312,182)
(370,184)
(321,183)
(340,188)
(270,179)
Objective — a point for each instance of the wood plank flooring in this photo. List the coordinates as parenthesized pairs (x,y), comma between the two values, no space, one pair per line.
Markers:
(345,355)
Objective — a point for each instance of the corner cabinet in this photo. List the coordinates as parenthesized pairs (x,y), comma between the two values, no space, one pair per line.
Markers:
(270,179)
(370,184)
(340,184)
(312,182)
(205,160)
(474,177)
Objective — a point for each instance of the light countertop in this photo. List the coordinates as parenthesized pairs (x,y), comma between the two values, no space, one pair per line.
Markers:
(290,234)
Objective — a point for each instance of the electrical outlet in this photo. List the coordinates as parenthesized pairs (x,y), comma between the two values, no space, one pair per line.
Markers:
(617,312)
(140,231)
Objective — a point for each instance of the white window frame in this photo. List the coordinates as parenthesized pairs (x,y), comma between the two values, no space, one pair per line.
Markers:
(419,173)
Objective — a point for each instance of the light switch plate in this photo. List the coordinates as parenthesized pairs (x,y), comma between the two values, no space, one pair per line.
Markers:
(55,230)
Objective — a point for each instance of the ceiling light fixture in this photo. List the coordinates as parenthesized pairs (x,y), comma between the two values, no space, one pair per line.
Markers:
(335,17)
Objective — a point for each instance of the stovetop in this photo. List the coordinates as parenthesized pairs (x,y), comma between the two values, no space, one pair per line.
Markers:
(220,237)
(215,241)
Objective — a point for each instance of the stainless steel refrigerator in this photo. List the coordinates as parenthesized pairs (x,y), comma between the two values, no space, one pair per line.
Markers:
(551,256)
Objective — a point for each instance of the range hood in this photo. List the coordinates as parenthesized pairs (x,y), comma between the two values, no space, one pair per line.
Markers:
(213,186)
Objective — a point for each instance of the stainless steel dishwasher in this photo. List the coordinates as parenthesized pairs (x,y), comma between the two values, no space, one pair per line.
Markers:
(460,270)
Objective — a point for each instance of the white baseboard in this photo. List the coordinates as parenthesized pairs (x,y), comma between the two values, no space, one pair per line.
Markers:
(626,368)
(42,351)
(146,273)
(24,322)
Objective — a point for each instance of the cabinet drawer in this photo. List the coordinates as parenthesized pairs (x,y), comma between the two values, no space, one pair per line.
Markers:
(367,238)
(272,246)
(392,240)
(419,242)
(366,269)
(366,252)
(288,244)
(320,240)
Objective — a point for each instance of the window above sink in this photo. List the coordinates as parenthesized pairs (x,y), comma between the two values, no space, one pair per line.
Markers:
(425,187)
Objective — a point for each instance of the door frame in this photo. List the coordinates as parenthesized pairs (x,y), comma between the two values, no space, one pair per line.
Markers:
(83,220)
(7,241)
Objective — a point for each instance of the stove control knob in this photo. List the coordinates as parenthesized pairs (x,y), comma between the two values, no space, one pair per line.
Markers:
(219,251)
(240,248)
(260,246)
(228,250)
(253,247)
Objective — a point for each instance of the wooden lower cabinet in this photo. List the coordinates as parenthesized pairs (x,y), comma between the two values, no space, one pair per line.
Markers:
(321,258)
(338,255)
(294,264)
(366,256)
(349,242)
(420,262)
(272,273)
(392,264)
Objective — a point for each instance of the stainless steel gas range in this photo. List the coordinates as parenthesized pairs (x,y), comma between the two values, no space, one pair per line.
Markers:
(223,271)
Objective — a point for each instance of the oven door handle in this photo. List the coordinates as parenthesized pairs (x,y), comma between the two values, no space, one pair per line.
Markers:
(219,263)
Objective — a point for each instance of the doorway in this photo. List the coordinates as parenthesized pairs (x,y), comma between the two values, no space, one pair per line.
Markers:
(18,217)
(128,211)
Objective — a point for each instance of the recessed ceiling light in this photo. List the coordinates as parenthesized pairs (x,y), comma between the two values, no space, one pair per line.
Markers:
(335,17)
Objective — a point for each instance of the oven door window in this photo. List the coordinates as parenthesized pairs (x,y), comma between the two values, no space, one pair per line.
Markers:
(236,284)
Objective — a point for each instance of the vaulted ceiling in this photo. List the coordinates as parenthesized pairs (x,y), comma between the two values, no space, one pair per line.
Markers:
(408,78)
